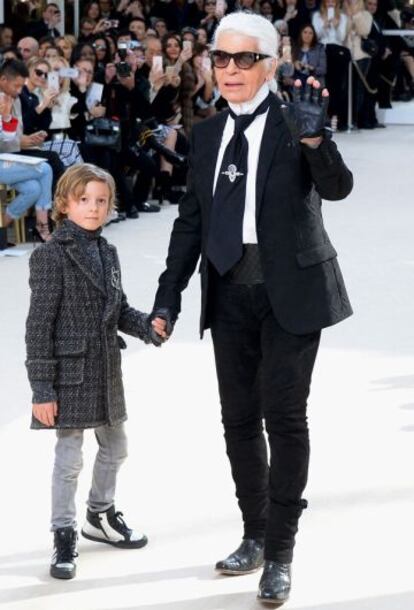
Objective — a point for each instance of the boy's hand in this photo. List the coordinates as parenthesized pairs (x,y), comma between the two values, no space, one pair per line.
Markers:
(161,326)
(46,412)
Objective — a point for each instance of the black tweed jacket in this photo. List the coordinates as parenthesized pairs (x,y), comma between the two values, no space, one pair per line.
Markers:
(71,331)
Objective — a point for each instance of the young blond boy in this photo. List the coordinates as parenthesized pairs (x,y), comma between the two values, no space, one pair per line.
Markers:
(74,360)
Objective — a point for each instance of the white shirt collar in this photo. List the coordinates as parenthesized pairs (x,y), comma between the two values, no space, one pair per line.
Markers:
(250,106)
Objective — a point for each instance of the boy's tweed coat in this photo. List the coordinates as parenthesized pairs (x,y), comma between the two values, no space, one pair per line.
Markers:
(71,331)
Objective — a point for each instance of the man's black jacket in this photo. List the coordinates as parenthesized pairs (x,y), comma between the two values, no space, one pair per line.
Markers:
(301,272)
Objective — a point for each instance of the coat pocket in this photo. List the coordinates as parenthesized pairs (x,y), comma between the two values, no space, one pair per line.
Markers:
(70,354)
(316,255)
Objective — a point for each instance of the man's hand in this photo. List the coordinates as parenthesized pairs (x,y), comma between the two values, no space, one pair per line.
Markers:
(45,412)
(310,106)
(161,326)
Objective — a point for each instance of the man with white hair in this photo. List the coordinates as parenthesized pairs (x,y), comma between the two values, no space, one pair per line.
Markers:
(269,276)
(28,47)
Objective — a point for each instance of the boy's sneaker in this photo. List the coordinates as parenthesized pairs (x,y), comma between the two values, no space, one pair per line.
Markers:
(63,561)
(110,527)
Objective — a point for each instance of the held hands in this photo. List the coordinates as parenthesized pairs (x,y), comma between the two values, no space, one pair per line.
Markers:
(161,326)
(310,106)
(45,412)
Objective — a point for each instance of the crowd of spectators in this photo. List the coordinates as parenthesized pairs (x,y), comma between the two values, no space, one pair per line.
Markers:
(126,92)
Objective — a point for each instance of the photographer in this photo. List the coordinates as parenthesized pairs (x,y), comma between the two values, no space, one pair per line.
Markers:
(130,99)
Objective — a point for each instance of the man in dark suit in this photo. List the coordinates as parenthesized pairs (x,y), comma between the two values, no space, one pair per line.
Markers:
(47,25)
(270,280)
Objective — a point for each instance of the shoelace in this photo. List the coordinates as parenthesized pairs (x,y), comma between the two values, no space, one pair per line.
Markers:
(121,525)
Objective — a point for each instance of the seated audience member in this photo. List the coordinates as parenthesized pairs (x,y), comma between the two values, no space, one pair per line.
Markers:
(36,114)
(266,10)
(203,94)
(45,43)
(202,36)
(93,11)
(67,44)
(33,184)
(46,26)
(160,26)
(86,29)
(309,57)
(28,47)
(53,53)
(6,36)
(178,57)
(138,27)
(211,18)
(58,139)
(331,29)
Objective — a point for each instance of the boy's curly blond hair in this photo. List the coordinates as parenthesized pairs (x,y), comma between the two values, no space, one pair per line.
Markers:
(73,184)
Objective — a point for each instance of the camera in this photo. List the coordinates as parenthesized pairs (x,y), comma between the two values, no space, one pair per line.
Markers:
(123,69)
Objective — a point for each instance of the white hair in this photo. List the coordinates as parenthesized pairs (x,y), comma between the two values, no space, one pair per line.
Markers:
(251,25)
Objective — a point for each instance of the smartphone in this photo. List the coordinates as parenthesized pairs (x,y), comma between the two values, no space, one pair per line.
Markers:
(220,6)
(69,72)
(330,13)
(157,63)
(187,45)
(53,80)
(170,71)
(206,63)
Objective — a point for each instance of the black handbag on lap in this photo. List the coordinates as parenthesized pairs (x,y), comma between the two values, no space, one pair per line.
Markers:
(104,132)
(369,46)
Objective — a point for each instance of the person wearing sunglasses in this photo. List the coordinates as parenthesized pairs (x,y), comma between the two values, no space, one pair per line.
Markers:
(269,276)
(37,98)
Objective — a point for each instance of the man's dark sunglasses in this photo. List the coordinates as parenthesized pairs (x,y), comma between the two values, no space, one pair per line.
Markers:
(243,60)
(40,73)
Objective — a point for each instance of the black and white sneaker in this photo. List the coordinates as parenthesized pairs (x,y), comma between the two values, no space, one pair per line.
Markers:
(110,527)
(63,561)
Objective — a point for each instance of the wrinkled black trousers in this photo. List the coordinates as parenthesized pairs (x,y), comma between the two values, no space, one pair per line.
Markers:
(264,374)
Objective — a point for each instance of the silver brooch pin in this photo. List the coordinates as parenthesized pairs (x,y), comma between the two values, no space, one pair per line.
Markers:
(116,278)
(232,173)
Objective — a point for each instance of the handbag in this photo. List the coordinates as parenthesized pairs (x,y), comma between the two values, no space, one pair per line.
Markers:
(66,148)
(369,46)
(104,132)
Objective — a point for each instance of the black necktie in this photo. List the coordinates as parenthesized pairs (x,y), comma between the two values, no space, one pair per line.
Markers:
(225,237)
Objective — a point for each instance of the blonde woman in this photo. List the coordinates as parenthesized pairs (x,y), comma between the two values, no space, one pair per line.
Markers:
(37,97)
(59,142)
(331,27)
(66,43)
(360,24)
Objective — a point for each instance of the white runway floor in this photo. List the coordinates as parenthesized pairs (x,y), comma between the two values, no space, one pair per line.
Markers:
(356,540)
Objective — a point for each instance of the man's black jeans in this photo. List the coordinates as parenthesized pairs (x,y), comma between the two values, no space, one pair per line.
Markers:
(264,373)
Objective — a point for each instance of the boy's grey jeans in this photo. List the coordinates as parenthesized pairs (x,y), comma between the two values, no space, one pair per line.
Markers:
(112,452)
